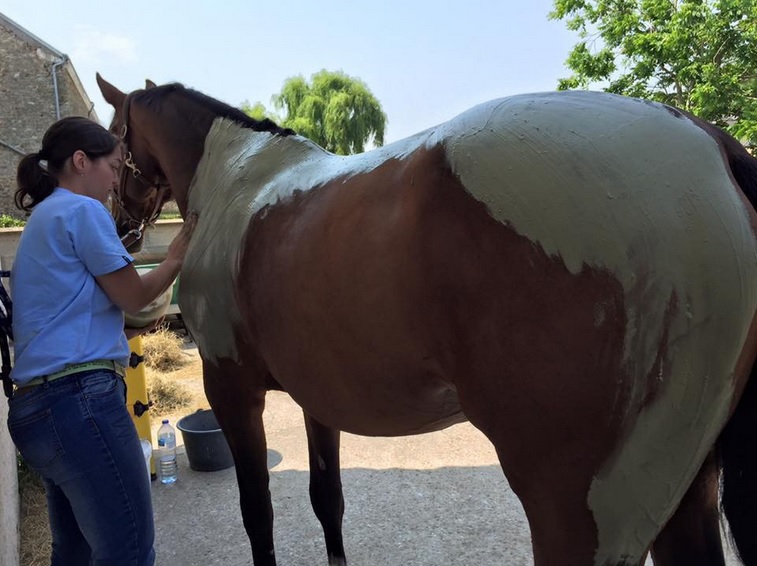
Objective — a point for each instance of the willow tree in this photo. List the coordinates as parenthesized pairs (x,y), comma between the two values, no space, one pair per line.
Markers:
(336,111)
(257,111)
(698,55)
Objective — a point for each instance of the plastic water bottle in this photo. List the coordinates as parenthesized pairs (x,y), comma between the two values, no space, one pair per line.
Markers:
(167,468)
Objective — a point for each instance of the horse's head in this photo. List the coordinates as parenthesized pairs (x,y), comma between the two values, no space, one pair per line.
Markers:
(144,188)
(163,130)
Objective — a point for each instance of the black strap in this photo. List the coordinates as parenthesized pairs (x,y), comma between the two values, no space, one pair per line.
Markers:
(6,336)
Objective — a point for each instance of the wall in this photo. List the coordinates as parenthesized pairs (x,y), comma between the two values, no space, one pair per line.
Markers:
(27,103)
(9,502)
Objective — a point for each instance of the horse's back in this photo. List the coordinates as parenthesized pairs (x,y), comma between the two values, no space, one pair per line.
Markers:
(592,183)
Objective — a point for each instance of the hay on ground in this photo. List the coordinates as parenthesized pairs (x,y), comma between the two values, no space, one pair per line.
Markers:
(163,351)
(36,540)
(166,393)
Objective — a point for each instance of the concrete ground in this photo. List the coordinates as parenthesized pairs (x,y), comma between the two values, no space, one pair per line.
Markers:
(429,500)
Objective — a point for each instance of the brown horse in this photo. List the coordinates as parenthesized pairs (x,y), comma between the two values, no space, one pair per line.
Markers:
(574,273)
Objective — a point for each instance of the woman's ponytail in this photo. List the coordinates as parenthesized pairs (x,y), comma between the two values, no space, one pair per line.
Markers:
(35,182)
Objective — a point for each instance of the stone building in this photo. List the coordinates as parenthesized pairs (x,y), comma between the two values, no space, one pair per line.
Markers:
(38,85)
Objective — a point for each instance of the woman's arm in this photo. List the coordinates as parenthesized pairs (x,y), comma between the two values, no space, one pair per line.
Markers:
(131,292)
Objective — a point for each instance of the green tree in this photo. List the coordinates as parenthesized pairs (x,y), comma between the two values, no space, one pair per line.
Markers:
(336,111)
(698,55)
(258,111)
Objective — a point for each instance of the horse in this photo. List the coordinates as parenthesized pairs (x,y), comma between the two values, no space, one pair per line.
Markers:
(574,273)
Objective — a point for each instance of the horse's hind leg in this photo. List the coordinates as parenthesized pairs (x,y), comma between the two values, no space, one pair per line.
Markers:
(563,531)
(692,536)
(326,486)
(238,399)
(549,454)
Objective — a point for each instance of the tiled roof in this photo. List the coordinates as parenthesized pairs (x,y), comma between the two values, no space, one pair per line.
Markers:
(28,36)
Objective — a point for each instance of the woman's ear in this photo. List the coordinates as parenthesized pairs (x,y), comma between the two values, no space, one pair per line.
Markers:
(79,162)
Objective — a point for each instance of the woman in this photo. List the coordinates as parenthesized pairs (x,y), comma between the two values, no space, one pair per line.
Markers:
(71,282)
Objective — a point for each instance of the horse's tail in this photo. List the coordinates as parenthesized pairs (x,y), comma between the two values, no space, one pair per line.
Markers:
(737,451)
(737,445)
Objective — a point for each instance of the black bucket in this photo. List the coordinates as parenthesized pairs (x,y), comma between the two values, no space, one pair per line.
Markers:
(207,449)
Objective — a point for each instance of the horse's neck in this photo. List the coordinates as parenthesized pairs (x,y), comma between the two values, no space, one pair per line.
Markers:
(238,163)
(238,173)
(237,166)
(177,157)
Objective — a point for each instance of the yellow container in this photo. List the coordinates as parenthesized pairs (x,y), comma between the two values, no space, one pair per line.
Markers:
(137,401)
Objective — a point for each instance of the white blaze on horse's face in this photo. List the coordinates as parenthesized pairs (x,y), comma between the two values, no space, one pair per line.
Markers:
(590,179)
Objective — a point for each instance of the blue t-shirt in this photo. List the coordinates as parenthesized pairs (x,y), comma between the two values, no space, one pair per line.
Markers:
(61,315)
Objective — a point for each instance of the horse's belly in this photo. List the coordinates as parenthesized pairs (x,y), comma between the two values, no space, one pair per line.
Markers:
(357,400)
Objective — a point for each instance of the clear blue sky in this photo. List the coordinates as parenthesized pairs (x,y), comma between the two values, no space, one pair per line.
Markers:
(425,61)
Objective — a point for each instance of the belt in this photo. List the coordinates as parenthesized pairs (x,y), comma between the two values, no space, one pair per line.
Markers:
(76,368)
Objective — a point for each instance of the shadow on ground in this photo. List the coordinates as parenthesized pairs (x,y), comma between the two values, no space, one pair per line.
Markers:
(450,516)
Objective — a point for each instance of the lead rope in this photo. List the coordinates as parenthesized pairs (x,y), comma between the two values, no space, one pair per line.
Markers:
(6,336)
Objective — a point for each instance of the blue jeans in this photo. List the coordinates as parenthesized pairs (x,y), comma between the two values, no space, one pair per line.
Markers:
(78,435)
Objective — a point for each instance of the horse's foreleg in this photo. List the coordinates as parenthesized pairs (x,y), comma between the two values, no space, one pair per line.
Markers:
(254,496)
(238,405)
(692,536)
(326,486)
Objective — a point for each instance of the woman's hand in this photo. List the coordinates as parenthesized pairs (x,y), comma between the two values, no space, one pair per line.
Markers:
(178,248)
(133,332)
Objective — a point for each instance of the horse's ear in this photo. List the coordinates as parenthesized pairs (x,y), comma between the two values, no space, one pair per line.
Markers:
(149,84)
(110,93)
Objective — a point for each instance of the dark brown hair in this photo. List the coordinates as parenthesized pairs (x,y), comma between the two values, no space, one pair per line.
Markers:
(62,139)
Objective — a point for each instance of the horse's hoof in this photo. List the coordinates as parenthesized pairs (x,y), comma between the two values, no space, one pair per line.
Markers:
(337,561)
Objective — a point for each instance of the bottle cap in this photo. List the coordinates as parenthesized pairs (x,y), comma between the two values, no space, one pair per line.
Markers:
(165,421)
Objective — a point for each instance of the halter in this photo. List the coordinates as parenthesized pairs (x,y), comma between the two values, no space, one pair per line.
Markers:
(137,225)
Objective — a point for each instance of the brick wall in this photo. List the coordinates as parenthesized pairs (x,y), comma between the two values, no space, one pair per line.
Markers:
(27,104)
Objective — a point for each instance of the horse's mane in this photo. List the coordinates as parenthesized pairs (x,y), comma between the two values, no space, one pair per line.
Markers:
(153,97)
